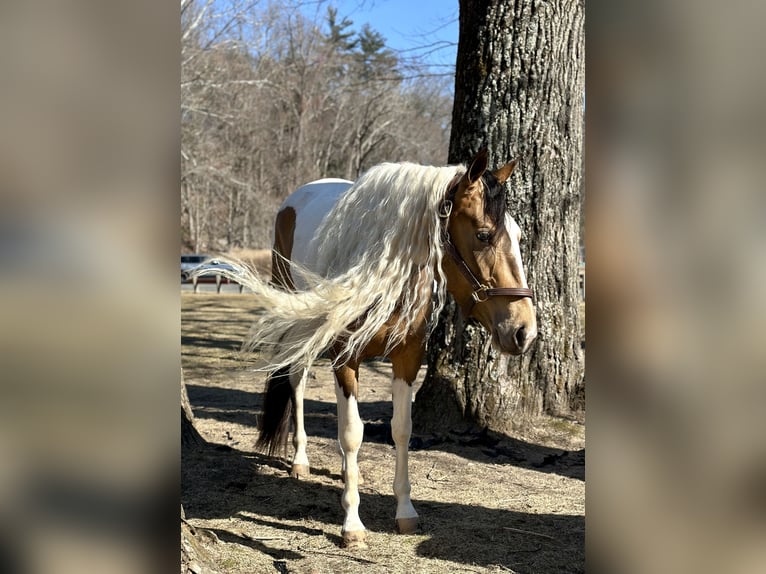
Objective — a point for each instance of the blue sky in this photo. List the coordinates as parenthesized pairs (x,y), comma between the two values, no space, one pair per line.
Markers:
(424,28)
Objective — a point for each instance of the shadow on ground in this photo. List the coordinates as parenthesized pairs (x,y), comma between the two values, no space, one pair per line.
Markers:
(242,407)
(219,482)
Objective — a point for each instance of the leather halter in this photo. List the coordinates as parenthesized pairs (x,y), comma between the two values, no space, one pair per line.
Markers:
(481,292)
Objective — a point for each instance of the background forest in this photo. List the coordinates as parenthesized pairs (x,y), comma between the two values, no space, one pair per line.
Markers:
(272,99)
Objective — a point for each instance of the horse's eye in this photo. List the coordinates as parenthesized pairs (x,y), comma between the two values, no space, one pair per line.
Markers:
(484,236)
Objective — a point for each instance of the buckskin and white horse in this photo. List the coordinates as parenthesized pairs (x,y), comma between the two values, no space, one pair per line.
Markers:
(355,267)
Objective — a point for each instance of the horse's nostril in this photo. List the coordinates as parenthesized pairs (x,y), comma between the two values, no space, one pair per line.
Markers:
(520,336)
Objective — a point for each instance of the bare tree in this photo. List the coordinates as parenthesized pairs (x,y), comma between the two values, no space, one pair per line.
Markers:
(272,99)
(519,89)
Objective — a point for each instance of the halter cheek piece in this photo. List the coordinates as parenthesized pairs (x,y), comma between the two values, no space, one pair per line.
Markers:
(481,292)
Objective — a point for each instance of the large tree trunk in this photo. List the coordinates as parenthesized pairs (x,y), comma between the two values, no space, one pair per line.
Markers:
(519,89)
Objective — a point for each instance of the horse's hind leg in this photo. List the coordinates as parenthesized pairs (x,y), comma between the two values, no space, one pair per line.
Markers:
(300,468)
(350,430)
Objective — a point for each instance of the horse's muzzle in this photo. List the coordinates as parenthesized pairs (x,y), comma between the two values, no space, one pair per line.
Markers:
(516,341)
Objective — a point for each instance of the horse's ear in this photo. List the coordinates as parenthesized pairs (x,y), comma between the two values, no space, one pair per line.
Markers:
(478,165)
(504,172)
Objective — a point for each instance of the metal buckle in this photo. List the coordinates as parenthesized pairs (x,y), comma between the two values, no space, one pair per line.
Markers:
(445,209)
(476,294)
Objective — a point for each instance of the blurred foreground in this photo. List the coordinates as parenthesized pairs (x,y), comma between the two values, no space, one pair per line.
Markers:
(676,232)
(676,236)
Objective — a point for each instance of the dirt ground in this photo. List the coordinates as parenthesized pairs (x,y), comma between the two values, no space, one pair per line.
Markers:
(487,502)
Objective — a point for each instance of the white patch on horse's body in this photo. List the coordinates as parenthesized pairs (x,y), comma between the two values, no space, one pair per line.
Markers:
(312,202)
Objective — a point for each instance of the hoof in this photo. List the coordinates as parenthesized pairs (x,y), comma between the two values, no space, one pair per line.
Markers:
(407,525)
(300,471)
(355,540)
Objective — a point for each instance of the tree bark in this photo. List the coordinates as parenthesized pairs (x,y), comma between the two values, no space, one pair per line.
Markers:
(190,437)
(519,89)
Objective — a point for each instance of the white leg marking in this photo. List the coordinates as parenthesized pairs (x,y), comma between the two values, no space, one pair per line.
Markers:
(401,429)
(340,452)
(350,430)
(298,382)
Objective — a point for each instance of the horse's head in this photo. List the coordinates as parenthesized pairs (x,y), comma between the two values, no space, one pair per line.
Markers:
(482,260)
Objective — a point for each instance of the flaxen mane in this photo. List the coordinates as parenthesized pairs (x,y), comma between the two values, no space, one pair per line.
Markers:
(378,251)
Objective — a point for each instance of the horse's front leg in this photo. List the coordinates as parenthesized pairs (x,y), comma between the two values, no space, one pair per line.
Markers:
(401,429)
(350,430)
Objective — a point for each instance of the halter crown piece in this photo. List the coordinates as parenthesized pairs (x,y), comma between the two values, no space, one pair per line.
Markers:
(481,292)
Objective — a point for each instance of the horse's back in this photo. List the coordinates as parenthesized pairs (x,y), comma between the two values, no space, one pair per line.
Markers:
(301,214)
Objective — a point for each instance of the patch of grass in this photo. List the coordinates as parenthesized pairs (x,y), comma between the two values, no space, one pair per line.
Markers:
(565,426)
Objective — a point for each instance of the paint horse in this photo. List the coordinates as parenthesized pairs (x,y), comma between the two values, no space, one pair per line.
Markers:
(354,271)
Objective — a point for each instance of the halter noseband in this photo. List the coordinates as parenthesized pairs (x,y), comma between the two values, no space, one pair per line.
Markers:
(481,292)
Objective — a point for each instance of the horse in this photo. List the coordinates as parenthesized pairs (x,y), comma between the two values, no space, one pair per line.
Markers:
(361,270)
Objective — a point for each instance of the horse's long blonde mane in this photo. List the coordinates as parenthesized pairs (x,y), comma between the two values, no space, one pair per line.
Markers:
(377,255)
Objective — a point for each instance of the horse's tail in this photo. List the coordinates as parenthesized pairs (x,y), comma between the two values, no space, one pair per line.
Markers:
(274,424)
(296,327)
